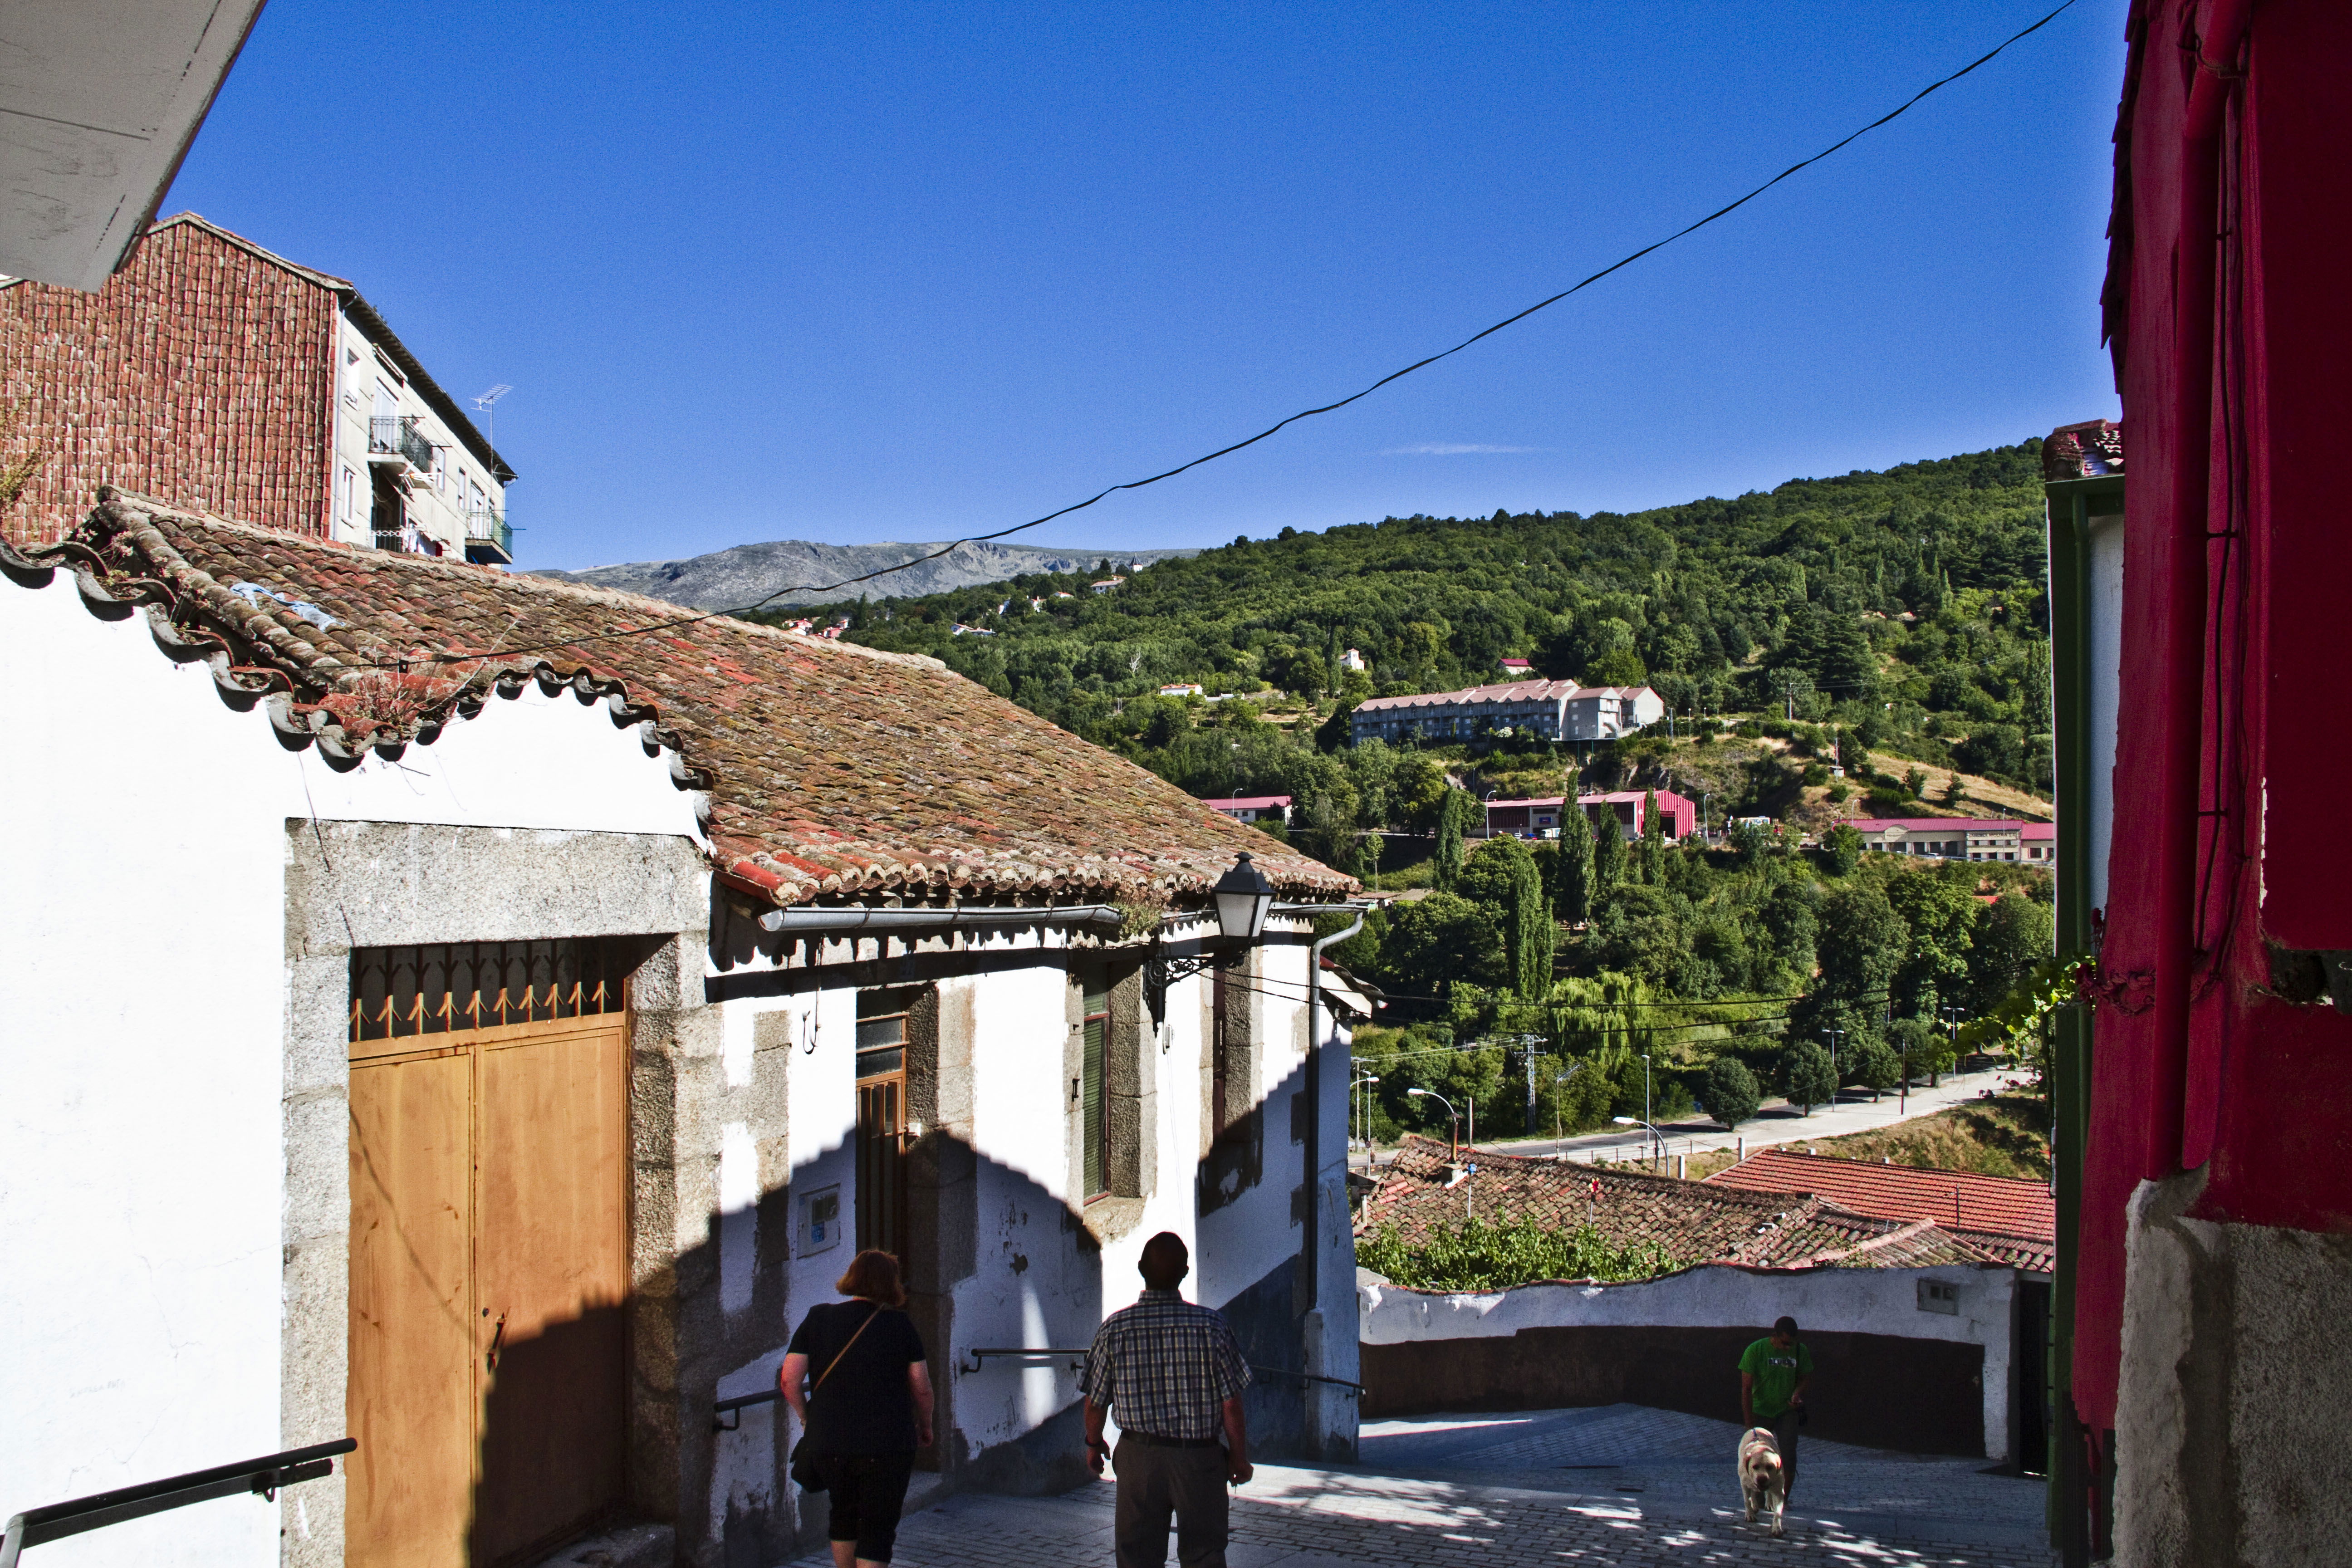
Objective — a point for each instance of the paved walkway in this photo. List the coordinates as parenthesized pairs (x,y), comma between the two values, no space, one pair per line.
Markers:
(1617,1484)
(1777,1123)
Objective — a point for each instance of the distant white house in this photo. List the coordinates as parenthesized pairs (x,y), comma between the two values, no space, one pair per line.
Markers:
(1352,659)
(1252,807)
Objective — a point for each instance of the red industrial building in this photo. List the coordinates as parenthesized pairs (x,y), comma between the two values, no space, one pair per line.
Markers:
(2203,1340)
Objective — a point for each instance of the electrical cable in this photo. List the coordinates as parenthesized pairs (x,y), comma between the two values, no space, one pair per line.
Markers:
(1721,211)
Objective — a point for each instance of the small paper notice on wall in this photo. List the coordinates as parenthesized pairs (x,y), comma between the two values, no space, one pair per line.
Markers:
(820,1224)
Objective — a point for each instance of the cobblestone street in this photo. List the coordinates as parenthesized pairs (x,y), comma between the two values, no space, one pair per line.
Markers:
(1616,1485)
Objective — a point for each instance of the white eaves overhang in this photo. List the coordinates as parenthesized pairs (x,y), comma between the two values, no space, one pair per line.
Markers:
(99,100)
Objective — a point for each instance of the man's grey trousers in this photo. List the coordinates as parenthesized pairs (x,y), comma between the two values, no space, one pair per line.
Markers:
(1154,1482)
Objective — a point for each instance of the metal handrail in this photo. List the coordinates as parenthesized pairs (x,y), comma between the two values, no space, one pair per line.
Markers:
(1269,1371)
(745,1401)
(262,1476)
(741,1402)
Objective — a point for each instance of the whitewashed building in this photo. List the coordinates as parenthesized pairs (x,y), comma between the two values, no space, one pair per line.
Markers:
(491,1056)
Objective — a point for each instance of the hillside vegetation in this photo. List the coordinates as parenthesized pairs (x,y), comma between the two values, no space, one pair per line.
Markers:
(1886,622)
(1896,612)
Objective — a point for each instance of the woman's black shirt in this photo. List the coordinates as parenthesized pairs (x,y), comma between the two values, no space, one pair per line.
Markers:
(866,1405)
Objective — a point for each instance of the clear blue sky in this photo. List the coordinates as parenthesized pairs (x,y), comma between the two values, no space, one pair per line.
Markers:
(908,271)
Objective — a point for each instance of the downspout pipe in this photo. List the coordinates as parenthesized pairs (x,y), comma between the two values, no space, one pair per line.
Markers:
(1313,1238)
(2172,1143)
(845,920)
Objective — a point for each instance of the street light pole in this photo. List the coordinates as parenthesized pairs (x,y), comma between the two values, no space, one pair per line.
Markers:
(1834,1036)
(1453,1115)
(1646,1111)
(1554,1098)
(1365,1100)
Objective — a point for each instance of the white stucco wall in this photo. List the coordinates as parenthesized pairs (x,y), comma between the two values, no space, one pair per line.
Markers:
(142,967)
(1717,1296)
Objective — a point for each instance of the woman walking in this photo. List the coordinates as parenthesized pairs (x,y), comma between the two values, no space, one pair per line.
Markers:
(867,1406)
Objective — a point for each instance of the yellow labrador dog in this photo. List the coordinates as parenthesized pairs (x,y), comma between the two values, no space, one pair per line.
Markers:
(1760,1479)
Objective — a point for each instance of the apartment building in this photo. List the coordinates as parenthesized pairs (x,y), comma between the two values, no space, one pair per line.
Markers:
(211,370)
(1548,709)
(1962,838)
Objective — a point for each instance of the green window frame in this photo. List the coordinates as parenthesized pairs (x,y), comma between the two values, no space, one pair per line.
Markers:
(1094,1100)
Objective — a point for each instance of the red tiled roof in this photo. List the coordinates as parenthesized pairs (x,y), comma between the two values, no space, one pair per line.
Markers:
(1691,1222)
(1937,824)
(1245,802)
(1533,690)
(829,769)
(1956,1200)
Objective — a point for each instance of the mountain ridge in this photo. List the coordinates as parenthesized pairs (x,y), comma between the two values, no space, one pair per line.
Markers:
(744,575)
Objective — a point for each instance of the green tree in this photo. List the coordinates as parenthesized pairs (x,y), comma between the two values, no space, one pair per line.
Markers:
(1496,1256)
(2017,935)
(1873,1064)
(1732,1094)
(1572,890)
(1620,666)
(1436,941)
(1650,851)
(1806,1077)
(1501,875)
(1917,1045)
(1842,843)
(1942,915)
(1860,943)
(1608,857)
(1449,839)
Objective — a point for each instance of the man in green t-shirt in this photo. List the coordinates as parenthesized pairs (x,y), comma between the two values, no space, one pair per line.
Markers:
(1772,1377)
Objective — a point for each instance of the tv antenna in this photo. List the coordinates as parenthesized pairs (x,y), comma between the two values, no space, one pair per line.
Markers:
(485,404)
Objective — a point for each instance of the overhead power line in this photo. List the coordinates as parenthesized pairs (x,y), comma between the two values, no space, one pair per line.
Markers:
(1227,450)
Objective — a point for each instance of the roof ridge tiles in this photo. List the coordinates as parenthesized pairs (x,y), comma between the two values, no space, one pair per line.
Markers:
(821,766)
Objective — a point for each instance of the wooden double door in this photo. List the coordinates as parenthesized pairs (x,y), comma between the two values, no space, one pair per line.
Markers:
(489,1278)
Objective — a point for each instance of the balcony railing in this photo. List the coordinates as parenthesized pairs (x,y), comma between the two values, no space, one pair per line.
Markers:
(487,537)
(397,435)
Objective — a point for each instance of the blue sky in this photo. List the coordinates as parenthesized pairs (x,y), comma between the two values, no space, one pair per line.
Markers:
(866,272)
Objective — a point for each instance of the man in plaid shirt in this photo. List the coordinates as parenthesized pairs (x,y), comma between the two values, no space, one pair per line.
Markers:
(1174,1374)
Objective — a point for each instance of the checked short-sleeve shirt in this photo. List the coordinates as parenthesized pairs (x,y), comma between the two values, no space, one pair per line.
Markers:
(1165,1366)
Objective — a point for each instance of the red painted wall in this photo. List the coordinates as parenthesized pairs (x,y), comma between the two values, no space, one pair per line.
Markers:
(2232,324)
(201,374)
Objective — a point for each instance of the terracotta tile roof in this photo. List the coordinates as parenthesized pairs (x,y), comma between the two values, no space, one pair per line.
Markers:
(2017,1220)
(1692,1222)
(1536,690)
(827,769)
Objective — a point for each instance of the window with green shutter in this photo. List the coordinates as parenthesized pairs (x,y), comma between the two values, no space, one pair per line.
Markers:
(1095,1104)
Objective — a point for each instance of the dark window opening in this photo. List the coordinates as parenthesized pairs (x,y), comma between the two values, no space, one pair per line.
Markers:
(882,1124)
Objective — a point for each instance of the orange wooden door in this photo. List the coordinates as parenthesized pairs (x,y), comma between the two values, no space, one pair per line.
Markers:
(411,1398)
(551,1188)
(489,1268)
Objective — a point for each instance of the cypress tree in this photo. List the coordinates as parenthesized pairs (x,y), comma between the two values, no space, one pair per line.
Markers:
(1608,859)
(1449,840)
(1571,887)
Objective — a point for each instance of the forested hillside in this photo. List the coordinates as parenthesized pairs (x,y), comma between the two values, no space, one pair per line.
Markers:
(1887,622)
(1902,609)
